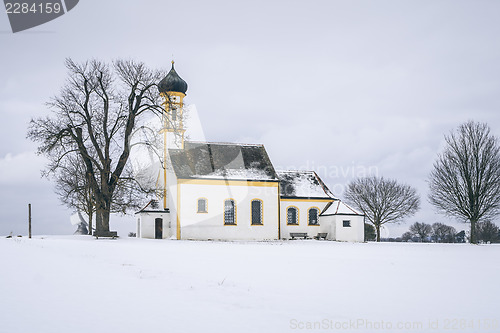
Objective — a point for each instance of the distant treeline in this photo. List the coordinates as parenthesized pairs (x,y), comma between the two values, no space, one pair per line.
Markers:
(486,232)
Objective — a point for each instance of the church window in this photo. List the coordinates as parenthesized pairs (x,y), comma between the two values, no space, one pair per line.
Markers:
(202,205)
(229,212)
(174,113)
(313,216)
(346,223)
(256,212)
(292,215)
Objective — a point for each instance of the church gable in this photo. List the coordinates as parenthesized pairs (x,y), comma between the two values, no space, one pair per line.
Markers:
(200,160)
(339,208)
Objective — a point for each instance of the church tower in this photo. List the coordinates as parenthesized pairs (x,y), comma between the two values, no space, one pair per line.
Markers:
(173,90)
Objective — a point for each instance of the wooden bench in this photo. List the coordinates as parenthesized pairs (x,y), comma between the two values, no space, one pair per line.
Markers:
(321,235)
(105,234)
(298,235)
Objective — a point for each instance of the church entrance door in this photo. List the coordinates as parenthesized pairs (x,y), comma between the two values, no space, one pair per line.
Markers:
(158,228)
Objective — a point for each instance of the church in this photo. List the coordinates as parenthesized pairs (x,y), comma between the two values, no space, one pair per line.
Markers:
(231,191)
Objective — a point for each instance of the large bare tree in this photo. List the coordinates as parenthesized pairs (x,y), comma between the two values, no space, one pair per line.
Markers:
(92,121)
(465,180)
(382,200)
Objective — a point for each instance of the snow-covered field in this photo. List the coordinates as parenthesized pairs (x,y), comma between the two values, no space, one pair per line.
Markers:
(77,284)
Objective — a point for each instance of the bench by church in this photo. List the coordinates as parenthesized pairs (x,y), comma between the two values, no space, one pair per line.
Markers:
(298,235)
(105,234)
(321,235)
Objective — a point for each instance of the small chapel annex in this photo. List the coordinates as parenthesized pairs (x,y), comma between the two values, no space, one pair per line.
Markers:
(231,191)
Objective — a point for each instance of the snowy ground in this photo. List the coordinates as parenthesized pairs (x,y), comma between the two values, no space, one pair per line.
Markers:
(76,284)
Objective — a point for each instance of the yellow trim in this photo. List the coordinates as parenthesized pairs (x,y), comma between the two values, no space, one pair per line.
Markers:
(227,182)
(235,210)
(307,200)
(178,211)
(279,213)
(172,93)
(261,212)
(171,130)
(308,222)
(165,170)
(198,205)
(298,215)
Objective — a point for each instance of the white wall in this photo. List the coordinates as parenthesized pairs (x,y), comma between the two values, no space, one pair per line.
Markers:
(328,225)
(146,224)
(303,205)
(354,233)
(172,201)
(210,225)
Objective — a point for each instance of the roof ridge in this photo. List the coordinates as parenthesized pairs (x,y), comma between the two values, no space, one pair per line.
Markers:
(228,143)
(338,206)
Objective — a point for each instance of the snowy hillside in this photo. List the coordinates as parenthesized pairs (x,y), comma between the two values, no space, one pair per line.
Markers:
(76,284)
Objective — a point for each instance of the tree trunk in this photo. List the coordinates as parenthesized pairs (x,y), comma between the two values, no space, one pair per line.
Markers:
(473,238)
(102,220)
(377,227)
(90,221)
(90,206)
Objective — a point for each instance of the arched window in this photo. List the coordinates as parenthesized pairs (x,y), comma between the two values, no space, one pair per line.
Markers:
(312,216)
(292,215)
(174,113)
(202,205)
(256,212)
(229,212)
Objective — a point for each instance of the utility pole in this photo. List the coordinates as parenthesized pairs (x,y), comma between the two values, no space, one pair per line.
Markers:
(29,220)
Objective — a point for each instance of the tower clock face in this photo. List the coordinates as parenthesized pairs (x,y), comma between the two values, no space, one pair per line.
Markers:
(174,99)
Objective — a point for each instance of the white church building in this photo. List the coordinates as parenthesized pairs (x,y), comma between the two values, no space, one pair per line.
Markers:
(231,191)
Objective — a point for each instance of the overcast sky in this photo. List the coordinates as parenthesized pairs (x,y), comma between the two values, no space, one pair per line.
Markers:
(334,86)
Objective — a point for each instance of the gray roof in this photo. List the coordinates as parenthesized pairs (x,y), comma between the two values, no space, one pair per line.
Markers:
(233,161)
(302,184)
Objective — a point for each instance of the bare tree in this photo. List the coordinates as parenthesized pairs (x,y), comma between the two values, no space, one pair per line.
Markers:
(92,121)
(487,232)
(465,180)
(406,236)
(443,233)
(370,233)
(73,187)
(422,230)
(382,200)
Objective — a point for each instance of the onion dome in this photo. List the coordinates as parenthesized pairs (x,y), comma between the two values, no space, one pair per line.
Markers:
(172,82)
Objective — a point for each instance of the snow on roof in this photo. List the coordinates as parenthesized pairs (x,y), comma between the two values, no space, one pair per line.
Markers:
(302,184)
(237,174)
(222,161)
(340,208)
